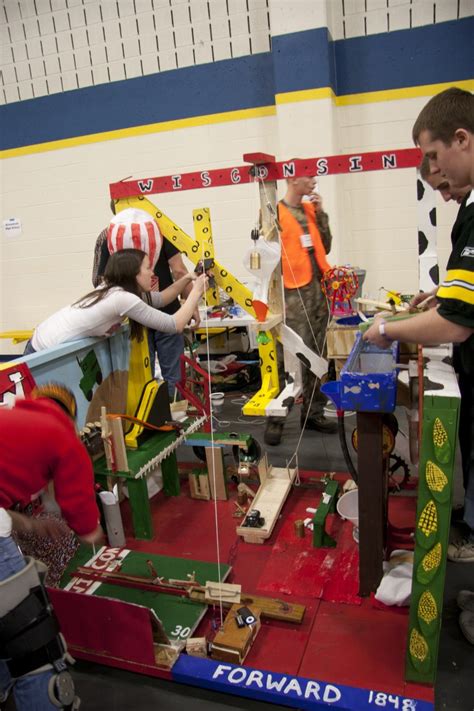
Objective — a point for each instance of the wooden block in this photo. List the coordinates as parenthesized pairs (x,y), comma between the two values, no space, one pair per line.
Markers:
(179,407)
(225,592)
(196,646)
(165,655)
(263,468)
(232,643)
(199,486)
(244,489)
(118,444)
(340,340)
(215,467)
(107,437)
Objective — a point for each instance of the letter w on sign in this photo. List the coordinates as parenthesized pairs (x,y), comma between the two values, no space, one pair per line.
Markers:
(145,186)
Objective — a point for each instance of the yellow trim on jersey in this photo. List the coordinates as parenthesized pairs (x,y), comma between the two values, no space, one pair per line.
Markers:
(453,288)
(456,292)
(466,275)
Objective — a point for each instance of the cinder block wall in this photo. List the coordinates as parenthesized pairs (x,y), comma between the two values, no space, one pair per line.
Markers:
(96,91)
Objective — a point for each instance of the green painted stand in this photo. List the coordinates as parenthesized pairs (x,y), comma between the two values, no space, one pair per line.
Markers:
(433,514)
(321,539)
(137,487)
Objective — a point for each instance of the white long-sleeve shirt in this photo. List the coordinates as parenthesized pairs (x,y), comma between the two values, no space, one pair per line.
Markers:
(103,318)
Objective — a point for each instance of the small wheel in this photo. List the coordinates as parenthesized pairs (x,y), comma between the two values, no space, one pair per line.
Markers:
(252,454)
(200,452)
(398,473)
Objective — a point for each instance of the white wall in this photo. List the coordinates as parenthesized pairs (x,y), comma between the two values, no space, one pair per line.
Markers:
(62,200)
(379,209)
(61,196)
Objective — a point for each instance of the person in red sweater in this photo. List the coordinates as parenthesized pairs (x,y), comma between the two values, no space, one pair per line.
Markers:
(38,445)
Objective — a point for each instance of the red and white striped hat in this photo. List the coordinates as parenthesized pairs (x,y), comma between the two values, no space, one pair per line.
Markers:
(135,229)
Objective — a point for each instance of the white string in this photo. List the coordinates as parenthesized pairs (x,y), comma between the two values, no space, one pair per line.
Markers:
(213,453)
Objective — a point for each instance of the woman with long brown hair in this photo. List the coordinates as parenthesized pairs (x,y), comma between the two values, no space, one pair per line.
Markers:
(127,283)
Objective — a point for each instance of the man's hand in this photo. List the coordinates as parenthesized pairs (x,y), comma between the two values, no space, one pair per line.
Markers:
(374,336)
(420,298)
(317,201)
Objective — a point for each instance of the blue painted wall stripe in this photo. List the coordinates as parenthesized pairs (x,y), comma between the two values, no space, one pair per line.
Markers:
(229,85)
(304,60)
(426,55)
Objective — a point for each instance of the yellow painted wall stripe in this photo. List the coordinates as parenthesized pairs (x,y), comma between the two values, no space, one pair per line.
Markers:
(205,120)
(289,97)
(411,92)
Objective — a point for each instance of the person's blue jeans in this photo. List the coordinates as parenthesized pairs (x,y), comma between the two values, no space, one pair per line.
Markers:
(30,692)
(169,347)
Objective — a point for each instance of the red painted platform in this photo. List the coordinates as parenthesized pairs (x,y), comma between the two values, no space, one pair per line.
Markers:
(343,639)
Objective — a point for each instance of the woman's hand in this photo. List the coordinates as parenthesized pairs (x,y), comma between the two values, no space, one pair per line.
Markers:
(196,317)
(200,285)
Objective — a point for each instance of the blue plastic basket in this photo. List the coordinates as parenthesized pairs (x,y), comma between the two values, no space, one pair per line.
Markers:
(368,381)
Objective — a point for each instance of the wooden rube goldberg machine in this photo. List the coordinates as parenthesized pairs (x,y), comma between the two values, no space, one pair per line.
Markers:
(146,631)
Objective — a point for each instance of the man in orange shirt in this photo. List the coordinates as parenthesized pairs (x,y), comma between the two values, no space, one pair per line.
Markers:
(305,241)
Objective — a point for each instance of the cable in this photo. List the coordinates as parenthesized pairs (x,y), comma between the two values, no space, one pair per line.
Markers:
(345,449)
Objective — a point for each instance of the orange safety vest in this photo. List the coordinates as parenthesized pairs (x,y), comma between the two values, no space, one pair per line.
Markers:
(295,260)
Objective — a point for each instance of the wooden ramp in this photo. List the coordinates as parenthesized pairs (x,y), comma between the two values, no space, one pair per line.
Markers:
(269,500)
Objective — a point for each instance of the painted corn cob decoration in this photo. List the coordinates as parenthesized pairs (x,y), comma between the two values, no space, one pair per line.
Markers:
(441,445)
(419,650)
(427,612)
(427,524)
(429,564)
(437,482)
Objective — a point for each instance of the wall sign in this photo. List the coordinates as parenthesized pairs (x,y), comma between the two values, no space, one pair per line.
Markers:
(329,165)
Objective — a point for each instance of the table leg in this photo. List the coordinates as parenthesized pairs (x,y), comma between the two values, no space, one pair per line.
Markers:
(169,471)
(140,506)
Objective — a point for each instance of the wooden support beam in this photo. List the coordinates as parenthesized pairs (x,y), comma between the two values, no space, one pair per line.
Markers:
(216,469)
(372,507)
